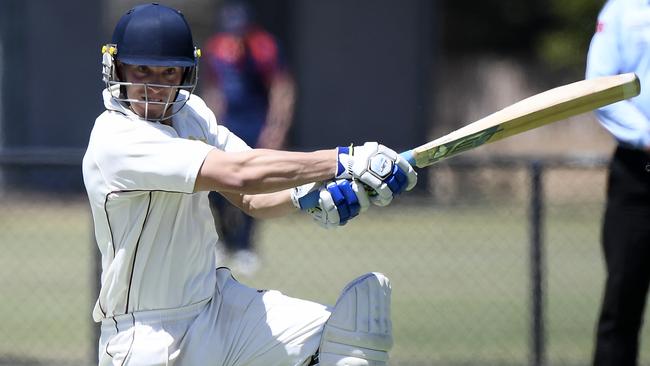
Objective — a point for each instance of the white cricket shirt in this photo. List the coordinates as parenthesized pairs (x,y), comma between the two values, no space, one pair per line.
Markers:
(155,235)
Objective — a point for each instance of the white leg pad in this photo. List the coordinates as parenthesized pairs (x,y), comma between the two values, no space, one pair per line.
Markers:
(359,331)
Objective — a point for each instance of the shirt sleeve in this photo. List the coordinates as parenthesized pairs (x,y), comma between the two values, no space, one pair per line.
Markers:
(623,119)
(149,156)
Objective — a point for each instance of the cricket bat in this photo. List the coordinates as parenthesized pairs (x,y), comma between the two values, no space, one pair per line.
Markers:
(538,110)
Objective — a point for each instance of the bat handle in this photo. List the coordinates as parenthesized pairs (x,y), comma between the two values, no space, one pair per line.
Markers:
(408,156)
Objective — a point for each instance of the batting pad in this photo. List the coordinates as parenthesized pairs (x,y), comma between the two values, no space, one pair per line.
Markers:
(359,331)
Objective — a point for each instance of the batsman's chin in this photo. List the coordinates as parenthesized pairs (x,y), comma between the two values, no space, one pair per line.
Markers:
(153,113)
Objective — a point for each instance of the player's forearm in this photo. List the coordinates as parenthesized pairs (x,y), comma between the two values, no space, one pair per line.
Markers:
(268,205)
(263,171)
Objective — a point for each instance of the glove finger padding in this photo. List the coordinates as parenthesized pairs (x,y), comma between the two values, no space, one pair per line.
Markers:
(341,201)
(337,202)
(327,214)
(409,173)
(360,191)
(345,202)
(380,192)
(403,178)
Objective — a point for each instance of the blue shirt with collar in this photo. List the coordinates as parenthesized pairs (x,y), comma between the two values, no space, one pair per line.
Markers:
(621,44)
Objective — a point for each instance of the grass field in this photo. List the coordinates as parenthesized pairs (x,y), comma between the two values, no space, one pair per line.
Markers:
(459,274)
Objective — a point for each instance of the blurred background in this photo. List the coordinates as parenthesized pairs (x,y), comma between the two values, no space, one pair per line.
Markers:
(495,259)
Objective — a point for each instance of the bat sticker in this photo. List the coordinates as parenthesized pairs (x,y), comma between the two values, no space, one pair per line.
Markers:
(467,143)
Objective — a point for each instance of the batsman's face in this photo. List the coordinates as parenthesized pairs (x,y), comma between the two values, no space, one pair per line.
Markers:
(155,86)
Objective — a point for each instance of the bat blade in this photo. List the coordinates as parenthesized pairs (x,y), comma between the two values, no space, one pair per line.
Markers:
(541,109)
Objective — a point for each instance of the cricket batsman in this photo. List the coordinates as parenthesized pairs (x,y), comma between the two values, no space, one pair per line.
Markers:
(153,156)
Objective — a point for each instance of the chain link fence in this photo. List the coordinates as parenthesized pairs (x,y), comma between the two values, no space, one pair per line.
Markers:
(494,262)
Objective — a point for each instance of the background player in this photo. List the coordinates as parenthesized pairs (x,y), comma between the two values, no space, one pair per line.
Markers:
(250,90)
(151,159)
(622,44)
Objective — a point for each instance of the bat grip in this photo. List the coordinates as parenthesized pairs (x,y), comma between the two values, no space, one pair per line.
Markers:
(408,156)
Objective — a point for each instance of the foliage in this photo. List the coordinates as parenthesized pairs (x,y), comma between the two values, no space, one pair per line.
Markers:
(555,32)
(565,43)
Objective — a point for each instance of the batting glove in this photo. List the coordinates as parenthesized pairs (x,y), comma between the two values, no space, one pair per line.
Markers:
(332,204)
(379,168)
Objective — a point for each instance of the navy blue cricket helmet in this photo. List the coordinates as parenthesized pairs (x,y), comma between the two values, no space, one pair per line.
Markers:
(154,34)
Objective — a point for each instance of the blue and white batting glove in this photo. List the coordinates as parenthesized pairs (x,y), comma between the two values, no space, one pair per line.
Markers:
(332,204)
(381,169)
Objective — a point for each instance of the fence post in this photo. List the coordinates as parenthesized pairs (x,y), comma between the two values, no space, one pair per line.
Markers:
(537,331)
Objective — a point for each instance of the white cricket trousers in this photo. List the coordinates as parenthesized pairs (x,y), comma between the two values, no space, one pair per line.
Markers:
(238,326)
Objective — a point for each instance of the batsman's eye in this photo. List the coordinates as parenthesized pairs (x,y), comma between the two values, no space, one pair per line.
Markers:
(141,69)
(172,75)
(171,71)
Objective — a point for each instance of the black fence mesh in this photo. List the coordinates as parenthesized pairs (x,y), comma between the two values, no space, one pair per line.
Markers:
(458,254)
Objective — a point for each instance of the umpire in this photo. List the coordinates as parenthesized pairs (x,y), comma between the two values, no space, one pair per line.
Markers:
(622,44)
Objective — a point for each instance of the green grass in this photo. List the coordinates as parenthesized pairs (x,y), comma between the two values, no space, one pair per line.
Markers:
(459,275)
(45,281)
